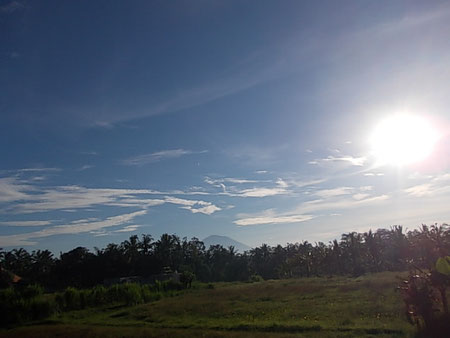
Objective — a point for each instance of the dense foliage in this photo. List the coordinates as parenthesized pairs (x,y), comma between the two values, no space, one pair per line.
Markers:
(25,303)
(355,254)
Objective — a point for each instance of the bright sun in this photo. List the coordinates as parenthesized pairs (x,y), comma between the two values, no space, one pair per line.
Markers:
(403,139)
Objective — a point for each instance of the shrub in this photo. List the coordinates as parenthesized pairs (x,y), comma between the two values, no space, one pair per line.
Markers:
(131,294)
(426,300)
(255,278)
(167,285)
(17,306)
(41,308)
(30,291)
(113,293)
(98,295)
(186,279)
(71,299)
(59,302)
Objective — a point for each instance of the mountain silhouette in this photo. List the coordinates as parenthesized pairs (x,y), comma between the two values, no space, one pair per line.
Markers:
(225,242)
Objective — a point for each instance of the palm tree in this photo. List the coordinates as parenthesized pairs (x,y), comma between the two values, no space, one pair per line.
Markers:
(42,265)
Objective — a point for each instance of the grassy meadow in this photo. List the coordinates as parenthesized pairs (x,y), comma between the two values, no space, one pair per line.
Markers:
(367,306)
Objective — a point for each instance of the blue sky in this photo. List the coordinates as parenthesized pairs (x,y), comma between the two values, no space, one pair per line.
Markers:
(249,119)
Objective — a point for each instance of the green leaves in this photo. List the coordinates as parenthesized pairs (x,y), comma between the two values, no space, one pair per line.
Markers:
(443,265)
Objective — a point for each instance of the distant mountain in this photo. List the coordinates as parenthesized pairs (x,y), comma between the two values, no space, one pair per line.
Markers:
(225,242)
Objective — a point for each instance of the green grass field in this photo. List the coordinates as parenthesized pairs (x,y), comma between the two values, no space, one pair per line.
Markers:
(368,306)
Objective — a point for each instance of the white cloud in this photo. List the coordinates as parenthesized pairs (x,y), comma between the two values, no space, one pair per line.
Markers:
(76,197)
(100,233)
(339,204)
(360,196)
(238,180)
(280,187)
(356,161)
(306,211)
(218,181)
(26,223)
(281,183)
(38,178)
(207,210)
(71,228)
(373,174)
(12,190)
(327,193)
(261,188)
(24,198)
(272,219)
(194,206)
(185,202)
(435,186)
(159,156)
(260,192)
(24,170)
(128,228)
(301,184)
(85,167)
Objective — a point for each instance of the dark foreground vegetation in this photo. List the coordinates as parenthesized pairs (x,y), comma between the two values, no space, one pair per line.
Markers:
(355,254)
(74,281)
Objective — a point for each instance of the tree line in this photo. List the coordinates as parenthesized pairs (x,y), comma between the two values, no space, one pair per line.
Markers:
(354,254)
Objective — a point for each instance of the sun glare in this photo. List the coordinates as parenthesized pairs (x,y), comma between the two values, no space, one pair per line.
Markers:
(403,139)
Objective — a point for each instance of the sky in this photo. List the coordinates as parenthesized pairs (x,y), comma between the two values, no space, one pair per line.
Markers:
(249,119)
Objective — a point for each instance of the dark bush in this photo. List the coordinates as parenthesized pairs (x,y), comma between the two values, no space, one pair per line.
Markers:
(71,298)
(18,306)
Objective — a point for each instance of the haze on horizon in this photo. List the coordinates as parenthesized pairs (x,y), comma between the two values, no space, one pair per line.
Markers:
(268,122)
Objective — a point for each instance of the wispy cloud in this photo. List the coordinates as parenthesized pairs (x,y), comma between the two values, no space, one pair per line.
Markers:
(21,198)
(71,228)
(85,167)
(194,206)
(331,200)
(259,67)
(422,190)
(92,153)
(73,197)
(24,170)
(305,183)
(11,190)
(339,203)
(128,228)
(218,181)
(260,192)
(373,174)
(272,220)
(326,193)
(25,223)
(238,180)
(356,161)
(261,188)
(248,73)
(159,156)
(435,186)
